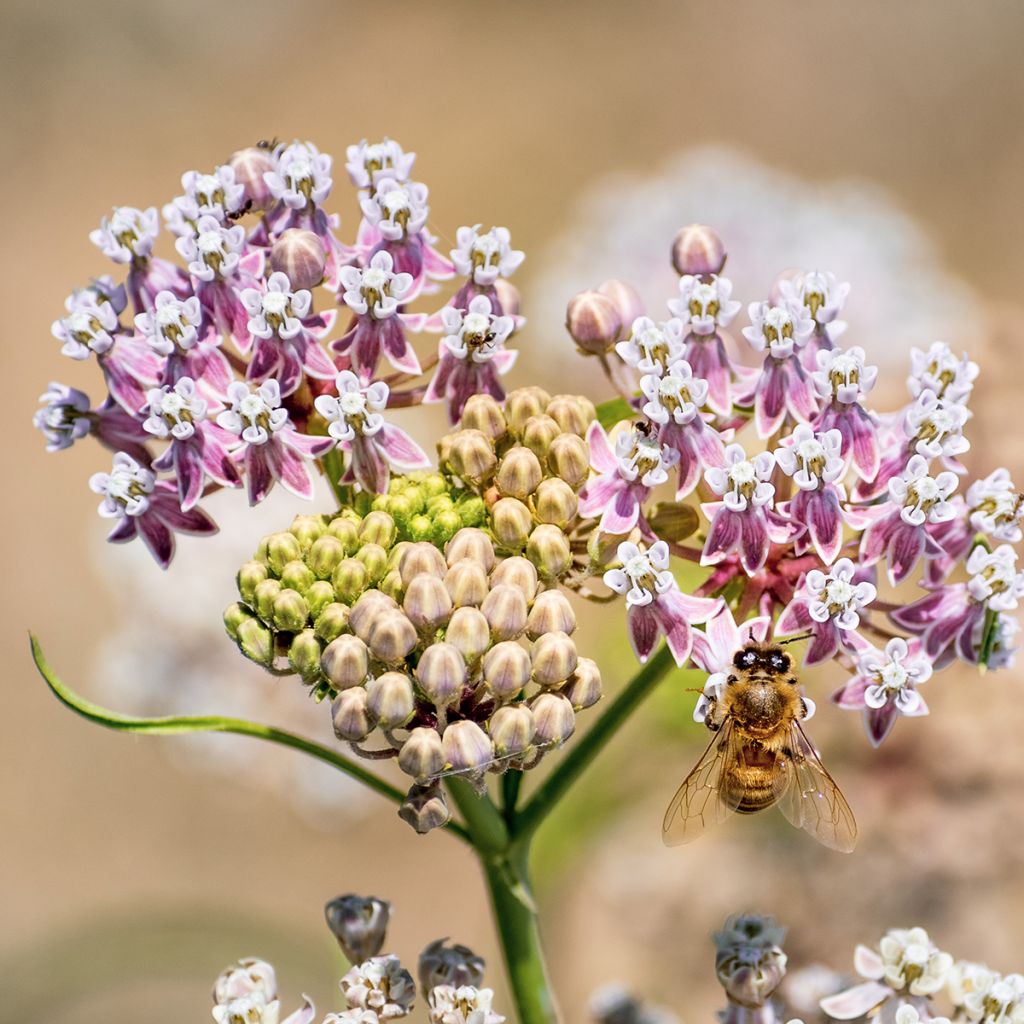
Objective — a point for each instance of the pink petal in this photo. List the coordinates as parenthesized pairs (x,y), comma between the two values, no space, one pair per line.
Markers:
(708,359)
(602,458)
(754,543)
(905,549)
(723,536)
(402,451)
(794,619)
(259,477)
(622,514)
(642,624)
(770,400)
(857,1001)
(879,722)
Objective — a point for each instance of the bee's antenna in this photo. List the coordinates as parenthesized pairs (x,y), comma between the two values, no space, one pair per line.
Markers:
(750,635)
(793,639)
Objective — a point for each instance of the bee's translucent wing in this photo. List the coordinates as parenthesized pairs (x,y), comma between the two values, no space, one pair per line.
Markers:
(810,799)
(704,798)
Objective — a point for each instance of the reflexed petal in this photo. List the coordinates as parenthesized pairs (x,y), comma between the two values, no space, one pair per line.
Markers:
(795,618)
(754,533)
(770,400)
(597,494)
(879,722)
(824,644)
(623,513)
(602,458)
(723,536)
(857,1001)
(643,630)
(868,964)
(401,450)
(671,615)
(905,549)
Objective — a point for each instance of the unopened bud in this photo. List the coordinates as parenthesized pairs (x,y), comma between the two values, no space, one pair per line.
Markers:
(467,584)
(538,433)
(454,965)
(519,473)
(523,403)
(256,642)
(352,720)
(517,572)
(249,166)
(421,558)
(789,276)
(512,523)
(392,585)
(551,612)
(471,456)
(378,528)
(698,250)
(304,655)
(324,555)
(472,510)
(396,552)
(346,531)
(446,523)
(548,549)
(483,413)
(554,658)
(345,662)
(593,322)
(375,558)
(299,255)
(473,544)
(469,632)
(318,596)
(367,609)
(234,615)
(555,502)
(349,579)
(627,301)
(553,719)
(507,669)
(511,730)
(332,622)
(264,597)
(421,529)
(421,755)
(392,637)
(672,521)
(583,689)
(250,575)
(360,925)
(306,529)
(427,602)
(297,576)
(505,611)
(390,699)
(466,747)
(282,548)
(573,413)
(290,611)
(569,459)
(441,673)
(425,808)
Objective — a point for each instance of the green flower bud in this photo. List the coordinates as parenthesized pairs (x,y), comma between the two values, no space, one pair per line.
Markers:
(346,531)
(349,579)
(378,528)
(290,611)
(370,606)
(593,322)
(380,503)
(470,543)
(519,473)
(554,720)
(392,637)
(512,522)
(471,456)
(425,808)
(427,603)
(555,502)
(469,632)
(375,558)
(421,755)
(569,459)
(672,521)
(440,503)
(551,612)
(538,433)
(351,716)
(304,655)
(390,699)
(345,662)
(401,508)
(472,510)
(282,548)
(421,529)
(517,572)
(441,673)
(573,413)
(319,595)
(260,554)
(431,483)
(483,413)
(446,524)
(466,582)
(511,729)
(306,529)
(421,558)
(602,549)
(256,642)
(392,585)
(234,615)
(250,575)
(332,622)
(324,555)
(296,576)
(395,554)
(548,549)
(505,611)
(554,658)
(507,669)
(466,747)
(523,403)
(264,597)
(583,688)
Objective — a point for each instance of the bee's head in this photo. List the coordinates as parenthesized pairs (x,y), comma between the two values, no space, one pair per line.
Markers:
(772,660)
(746,657)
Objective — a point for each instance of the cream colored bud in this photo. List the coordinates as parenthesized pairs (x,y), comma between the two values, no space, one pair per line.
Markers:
(523,403)
(467,584)
(234,615)
(554,658)
(421,755)
(250,165)
(367,609)
(392,585)
(553,718)
(573,413)
(466,747)
(593,322)
(249,577)
(264,597)
(427,602)
(307,529)
(469,632)
(375,558)
(551,613)
(471,456)
(470,543)
(627,301)
(345,662)
(297,576)
(441,673)
(290,611)
(345,530)
(304,655)
(318,596)
(378,528)
(698,250)
(519,473)
(349,579)
(483,413)
(421,558)
(538,433)
(555,502)
(351,716)
(507,669)
(505,611)
(299,255)
(569,459)
(425,808)
(511,729)
(282,548)
(255,641)
(390,699)
(392,637)
(548,549)
(332,622)
(512,523)
(583,688)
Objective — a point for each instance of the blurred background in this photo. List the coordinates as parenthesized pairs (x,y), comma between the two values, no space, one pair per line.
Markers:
(878,140)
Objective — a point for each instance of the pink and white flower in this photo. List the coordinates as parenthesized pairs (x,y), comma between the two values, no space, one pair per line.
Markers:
(655,606)
(368,163)
(885,686)
(823,296)
(942,373)
(66,417)
(486,256)
(355,422)
(651,348)
(302,176)
(935,426)
(841,380)
(995,507)
(268,445)
(215,195)
(214,251)
(128,234)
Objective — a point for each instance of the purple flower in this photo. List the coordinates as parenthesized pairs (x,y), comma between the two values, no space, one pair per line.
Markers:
(89,327)
(995,507)
(302,176)
(66,417)
(655,605)
(145,507)
(355,422)
(740,521)
(841,380)
(269,446)
(624,478)
(472,356)
(651,348)
(485,257)
(216,195)
(939,371)
(368,163)
(198,449)
(829,607)
(823,296)
(885,686)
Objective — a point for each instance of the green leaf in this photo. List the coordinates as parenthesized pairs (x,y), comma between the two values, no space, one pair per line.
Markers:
(614,411)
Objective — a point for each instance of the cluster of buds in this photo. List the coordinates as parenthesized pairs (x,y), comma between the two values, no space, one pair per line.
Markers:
(457,658)
(234,367)
(527,459)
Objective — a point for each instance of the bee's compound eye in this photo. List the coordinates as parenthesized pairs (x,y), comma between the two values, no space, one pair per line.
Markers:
(778,661)
(749,657)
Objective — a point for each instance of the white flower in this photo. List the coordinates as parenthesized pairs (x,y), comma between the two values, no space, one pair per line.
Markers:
(127,234)
(302,176)
(397,210)
(935,426)
(924,498)
(907,1013)
(969,982)
(677,396)
(367,163)
(125,489)
(644,573)
(356,1015)
(995,580)
(89,326)
(213,251)
(476,334)
(911,961)
(174,412)
(64,418)
(380,984)
(255,414)
(836,596)
(486,257)
(173,323)
(842,374)
(993,998)
(245,978)
(216,194)
(645,458)
(704,306)
(810,458)
(355,409)
(939,371)
(376,289)
(249,1009)
(782,330)
(820,294)
(743,482)
(995,507)
(650,347)
(462,1005)
(895,673)
(277,310)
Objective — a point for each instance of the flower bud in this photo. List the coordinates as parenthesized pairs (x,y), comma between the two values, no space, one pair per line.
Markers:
(593,322)
(507,669)
(569,459)
(425,808)
(750,973)
(421,755)
(306,529)
(332,622)
(249,166)
(467,583)
(473,544)
(282,548)
(304,655)
(290,611)
(378,528)
(583,688)
(511,729)
(396,552)
(627,301)
(351,717)
(573,413)
(360,924)
(523,403)
(673,522)
(367,609)
(505,611)
(392,637)
(299,255)
(508,295)
(469,632)
(555,502)
(296,576)
(517,572)
(256,642)
(375,558)
(427,602)
(234,615)
(551,612)
(319,595)
(345,662)
(538,433)
(554,658)
(349,579)
(441,673)
(346,531)
(519,473)
(421,529)
(512,522)
(472,510)
(553,719)
(446,523)
(548,549)
(698,250)
(324,555)
(421,558)
(449,965)
(390,699)
(483,413)
(466,747)
(248,977)
(264,597)
(250,575)
(472,456)
(392,585)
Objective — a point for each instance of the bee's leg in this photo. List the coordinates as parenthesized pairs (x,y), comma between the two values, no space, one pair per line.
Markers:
(709,716)
(731,679)
(803,708)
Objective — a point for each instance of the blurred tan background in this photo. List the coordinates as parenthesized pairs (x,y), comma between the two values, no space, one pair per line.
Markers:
(127,882)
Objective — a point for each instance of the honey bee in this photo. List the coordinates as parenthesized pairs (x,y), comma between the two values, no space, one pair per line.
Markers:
(760,756)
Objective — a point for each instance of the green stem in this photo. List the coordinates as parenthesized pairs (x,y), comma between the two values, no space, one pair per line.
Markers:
(172,725)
